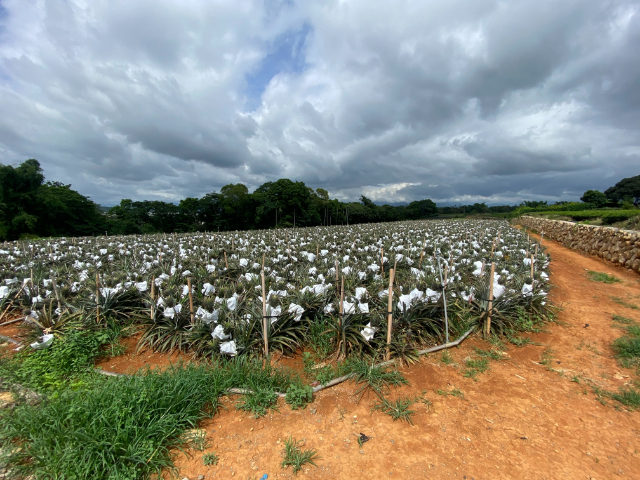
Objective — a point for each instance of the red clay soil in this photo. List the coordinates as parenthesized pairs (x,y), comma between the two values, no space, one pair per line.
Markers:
(521,419)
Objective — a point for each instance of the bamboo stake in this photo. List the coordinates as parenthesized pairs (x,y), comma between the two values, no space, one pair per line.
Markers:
(532,270)
(389,312)
(263,255)
(337,279)
(153,294)
(55,291)
(97,298)
(490,306)
(190,301)
(382,261)
(421,256)
(264,314)
(225,260)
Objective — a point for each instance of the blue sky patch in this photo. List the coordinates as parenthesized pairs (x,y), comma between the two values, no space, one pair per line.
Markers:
(286,54)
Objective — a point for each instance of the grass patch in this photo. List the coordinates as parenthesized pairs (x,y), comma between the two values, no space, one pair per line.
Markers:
(622,320)
(624,303)
(520,341)
(299,395)
(446,358)
(490,354)
(602,277)
(628,396)
(297,458)
(370,376)
(398,409)
(259,402)
(475,366)
(210,459)
(122,427)
(627,347)
(67,363)
(456,392)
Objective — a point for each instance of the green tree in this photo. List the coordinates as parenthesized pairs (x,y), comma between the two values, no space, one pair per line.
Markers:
(625,188)
(595,197)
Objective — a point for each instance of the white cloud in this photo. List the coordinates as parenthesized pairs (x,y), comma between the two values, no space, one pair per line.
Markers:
(398,101)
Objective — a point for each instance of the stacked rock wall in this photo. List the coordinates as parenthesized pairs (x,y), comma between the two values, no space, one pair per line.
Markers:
(620,247)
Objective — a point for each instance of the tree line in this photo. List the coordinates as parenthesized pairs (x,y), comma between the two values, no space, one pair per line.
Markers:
(31,207)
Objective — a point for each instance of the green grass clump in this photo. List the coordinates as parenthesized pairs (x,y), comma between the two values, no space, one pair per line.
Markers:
(628,396)
(259,402)
(602,277)
(398,409)
(624,303)
(456,392)
(475,366)
(68,362)
(120,427)
(490,354)
(622,320)
(210,459)
(374,377)
(627,347)
(299,395)
(295,457)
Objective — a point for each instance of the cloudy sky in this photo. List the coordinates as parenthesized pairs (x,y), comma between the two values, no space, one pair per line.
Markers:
(457,101)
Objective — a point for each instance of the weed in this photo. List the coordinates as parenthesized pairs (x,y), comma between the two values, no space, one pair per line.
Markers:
(627,348)
(456,392)
(259,402)
(374,377)
(446,358)
(398,409)
(546,358)
(299,395)
(140,419)
(628,396)
(622,302)
(575,379)
(602,277)
(520,341)
(475,366)
(295,457)
(622,320)
(197,439)
(490,354)
(341,412)
(69,360)
(210,459)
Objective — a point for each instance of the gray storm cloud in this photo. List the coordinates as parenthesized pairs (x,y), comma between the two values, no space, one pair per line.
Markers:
(449,100)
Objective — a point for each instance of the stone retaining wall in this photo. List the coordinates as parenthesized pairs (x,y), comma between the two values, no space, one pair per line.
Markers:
(620,247)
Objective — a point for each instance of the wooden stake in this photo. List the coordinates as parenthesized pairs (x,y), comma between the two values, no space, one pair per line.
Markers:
(264,313)
(225,260)
(382,261)
(55,291)
(153,294)
(490,306)
(532,270)
(421,256)
(263,255)
(97,298)
(190,301)
(337,279)
(389,312)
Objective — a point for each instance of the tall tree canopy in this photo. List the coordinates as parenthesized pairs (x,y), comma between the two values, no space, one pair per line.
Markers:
(31,207)
(625,188)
